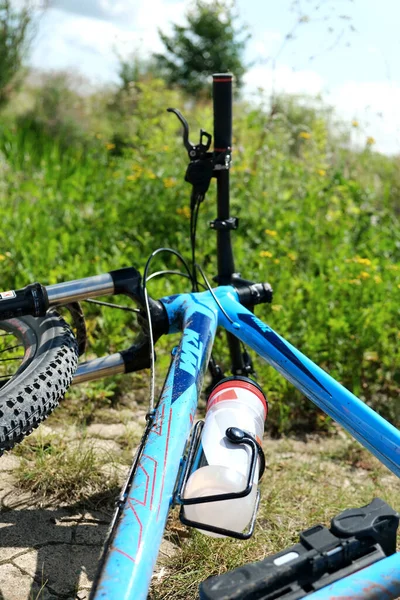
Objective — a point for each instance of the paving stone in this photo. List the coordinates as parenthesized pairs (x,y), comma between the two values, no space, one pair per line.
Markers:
(65,567)
(113,469)
(7,484)
(106,431)
(25,528)
(134,417)
(13,584)
(9,462)
(107,447)
(83,594)
(91,532)
(167,550)
(43,431)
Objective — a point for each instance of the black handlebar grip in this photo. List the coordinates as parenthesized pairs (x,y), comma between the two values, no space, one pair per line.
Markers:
(30,300)
(222,96)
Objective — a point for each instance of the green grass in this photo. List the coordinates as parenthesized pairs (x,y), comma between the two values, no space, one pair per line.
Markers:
(318,221)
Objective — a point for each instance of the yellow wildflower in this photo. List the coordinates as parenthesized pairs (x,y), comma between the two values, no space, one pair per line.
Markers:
(377,279)
(371,356)
(277,307)
(305,135)
(355,281)
(321,172)
(276,261)
(110,146)
(184,211)
(364,275)
(354,123)
(398,285)
(360,261)
(2,257)
(370,141)
(266,254)
(271,232)
(165,148)
(151,175)
(169,182)
(292,256)
(132,177)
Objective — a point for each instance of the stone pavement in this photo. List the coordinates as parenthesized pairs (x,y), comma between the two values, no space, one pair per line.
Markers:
(45,552)
(50,552)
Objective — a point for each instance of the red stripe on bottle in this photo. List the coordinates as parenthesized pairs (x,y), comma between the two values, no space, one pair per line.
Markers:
(228,395)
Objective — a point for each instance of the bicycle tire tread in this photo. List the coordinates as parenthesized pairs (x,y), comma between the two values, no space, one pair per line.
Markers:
(34,395)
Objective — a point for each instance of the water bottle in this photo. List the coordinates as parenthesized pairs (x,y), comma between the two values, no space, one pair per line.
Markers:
(223,466)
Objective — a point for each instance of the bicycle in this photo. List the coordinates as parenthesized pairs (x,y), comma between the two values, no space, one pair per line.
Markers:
(164,459)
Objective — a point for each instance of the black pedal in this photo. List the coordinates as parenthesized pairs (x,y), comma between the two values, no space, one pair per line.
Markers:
(357,538)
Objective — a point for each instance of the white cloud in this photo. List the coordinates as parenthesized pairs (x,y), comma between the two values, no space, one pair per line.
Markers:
(122,11)
(283,79)
(125,13)
(265,45)
(375,104)
(89,44)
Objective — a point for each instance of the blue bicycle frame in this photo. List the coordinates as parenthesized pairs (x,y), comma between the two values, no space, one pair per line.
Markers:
(133,549)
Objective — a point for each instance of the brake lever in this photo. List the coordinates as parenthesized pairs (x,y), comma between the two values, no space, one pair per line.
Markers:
(205,147)
(191,148)
(195,152)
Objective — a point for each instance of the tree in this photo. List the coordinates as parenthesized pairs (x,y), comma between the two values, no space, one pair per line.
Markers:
(210,42)
(134,69)
(15,37)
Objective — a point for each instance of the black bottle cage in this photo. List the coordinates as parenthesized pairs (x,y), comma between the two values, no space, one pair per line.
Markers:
(236,436)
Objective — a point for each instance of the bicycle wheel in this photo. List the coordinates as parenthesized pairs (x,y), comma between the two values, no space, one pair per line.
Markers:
(45,355)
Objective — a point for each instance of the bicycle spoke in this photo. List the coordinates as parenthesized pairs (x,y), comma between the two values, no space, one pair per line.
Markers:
(10,355)
(11,348)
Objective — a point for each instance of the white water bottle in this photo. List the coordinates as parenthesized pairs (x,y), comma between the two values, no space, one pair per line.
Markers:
(224,466)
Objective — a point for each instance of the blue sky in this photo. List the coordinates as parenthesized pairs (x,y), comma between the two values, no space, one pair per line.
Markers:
(345,50)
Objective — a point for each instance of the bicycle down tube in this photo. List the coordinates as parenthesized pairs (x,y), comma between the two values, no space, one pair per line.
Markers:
(138,533)
(133,548)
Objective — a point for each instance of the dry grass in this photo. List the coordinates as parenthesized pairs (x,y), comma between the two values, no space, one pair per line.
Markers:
(53,467)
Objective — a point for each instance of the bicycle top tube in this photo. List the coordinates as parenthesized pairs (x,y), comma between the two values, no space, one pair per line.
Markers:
(369,428)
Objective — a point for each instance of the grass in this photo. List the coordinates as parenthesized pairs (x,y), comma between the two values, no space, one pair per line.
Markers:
(304,484)
(317,220)
(53,467)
